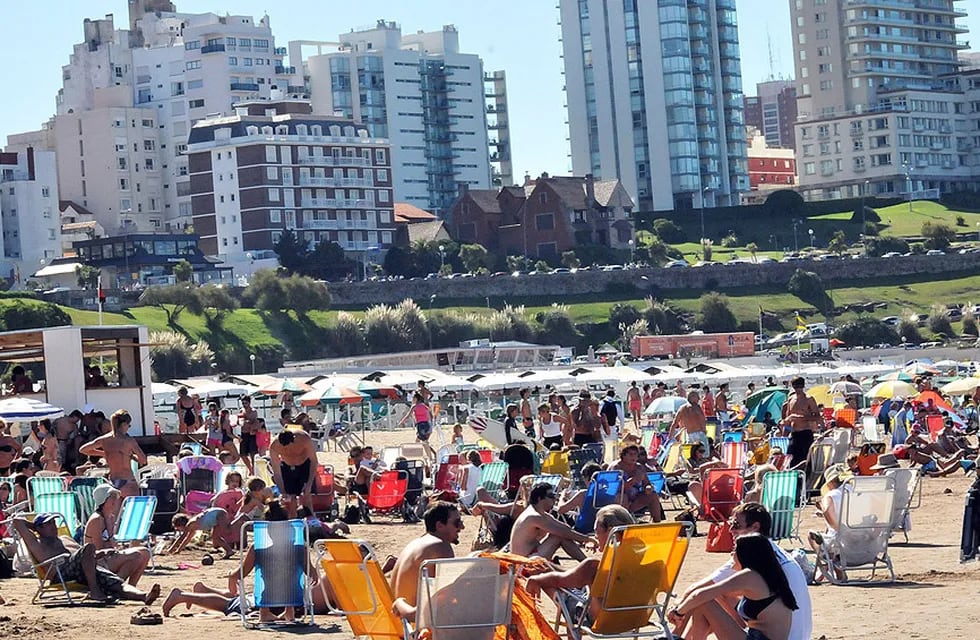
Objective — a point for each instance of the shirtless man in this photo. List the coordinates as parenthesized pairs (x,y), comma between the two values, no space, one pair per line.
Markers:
(442,526)
(9,449)
(248,418)
(801,413)
(721,405)
(634,403)
(119,450)
(690,421)
(639,495)
(586,425)
(538,533)
(43,542)
(527,415)
(66,430)
(293,458)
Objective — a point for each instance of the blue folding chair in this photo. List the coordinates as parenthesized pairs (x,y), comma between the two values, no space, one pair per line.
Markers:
(135,520)
(732,436)
(280,550)
(605,489)
(779,441)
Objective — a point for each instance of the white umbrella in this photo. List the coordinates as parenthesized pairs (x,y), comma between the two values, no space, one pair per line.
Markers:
(665,404)
(846,388)
(28,410)
(961,386)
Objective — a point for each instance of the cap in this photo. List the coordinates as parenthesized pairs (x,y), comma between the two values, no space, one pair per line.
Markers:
(885,461)
(43,518)
(89,408)
(101,493)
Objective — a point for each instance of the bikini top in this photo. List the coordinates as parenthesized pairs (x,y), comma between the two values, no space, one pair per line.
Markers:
(750,609)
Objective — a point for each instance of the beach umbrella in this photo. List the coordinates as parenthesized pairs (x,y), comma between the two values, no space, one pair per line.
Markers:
(285,384)
(821,394)
(332,395)
(846,388)
(920,369)
(17,409)
(772,404)
(961,386)
(892,389)
(756,397)
(377,390)
(666,404)
(898,375)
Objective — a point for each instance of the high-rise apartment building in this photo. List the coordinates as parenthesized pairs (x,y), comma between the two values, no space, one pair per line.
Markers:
(498,122)
(773,112)
(275,166)
(879,98)
(420,92)
(654,93)
(29,216)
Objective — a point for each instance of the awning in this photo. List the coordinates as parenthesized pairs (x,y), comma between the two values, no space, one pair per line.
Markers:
(56,269)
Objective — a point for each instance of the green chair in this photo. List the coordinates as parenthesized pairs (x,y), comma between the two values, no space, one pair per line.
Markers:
(84,489)
(62,503)
(37,486)
(493,479)
(784,498)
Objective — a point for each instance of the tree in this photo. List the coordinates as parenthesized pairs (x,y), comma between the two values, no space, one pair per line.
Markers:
(473,257)
(557,326)
(183,271)
(706,245)
(400,262)
(969,321)
(88,277)
(291,251)
(785,203)
(881,245)
(838,243)
(327,261)
(518,263)
(938,235)
(623,313)
(174,300)
(753,249)
(264,290)
(668,231)
(808,287)
(661,318)
(542,267)
(908,328)
(302,295)
(867,331)
(715,314)
(570,260)
(216,302)
(31,314)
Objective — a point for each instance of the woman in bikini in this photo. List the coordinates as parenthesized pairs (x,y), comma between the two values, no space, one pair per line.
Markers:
(127,563)
(766,606)
(186,411)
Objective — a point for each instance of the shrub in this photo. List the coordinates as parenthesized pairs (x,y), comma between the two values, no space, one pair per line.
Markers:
(729,241)
(715,314)
(785,203)
(31,314)
(623,313)
(173,356)
(969,322)
(668,231)
(937,235)
(938,320)
(908,328)
(808,287)
(557,326)
(960,221)
(866,331)
(661,318)
(346,336)
(881,245)
(870,229)
(630,330)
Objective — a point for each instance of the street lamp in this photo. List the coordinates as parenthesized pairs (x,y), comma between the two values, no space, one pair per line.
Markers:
(704,196)
(908,182)
(251,357)
(978,232)
(796,241)
(810,231)
(428,319)
(442,257)
(632,247)
(864,239)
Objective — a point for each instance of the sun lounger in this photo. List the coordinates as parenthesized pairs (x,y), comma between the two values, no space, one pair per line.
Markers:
(637,573)
(733,454)
(360,591)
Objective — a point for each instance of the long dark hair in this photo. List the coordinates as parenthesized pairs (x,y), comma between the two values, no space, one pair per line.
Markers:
(755,552)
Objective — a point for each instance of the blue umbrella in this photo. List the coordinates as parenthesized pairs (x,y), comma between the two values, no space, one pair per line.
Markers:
(771,403)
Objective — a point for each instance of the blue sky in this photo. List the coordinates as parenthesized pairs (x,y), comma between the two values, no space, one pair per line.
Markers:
(520,37)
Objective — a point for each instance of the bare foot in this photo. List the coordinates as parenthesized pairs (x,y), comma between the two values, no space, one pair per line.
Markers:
(97,596)
(171,602)
(152,594)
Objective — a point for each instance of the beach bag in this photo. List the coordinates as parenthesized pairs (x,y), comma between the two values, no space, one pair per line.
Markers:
(720,539)
(6,565)
(352,514)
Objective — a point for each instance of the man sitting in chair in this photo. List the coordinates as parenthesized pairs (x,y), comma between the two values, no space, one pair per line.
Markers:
(538,533)
(442,526)
(43,543)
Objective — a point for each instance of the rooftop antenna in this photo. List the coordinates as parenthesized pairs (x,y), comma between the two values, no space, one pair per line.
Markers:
(772,61)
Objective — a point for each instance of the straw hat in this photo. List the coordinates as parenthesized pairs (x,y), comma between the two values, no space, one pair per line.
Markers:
(886,461)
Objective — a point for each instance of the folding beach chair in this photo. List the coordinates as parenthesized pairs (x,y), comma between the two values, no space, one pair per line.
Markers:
(280,566)
(677,456)
(817,461)
(864,522)
(62,503)
(83,489)
(733,455)
(632,587)
(463,598)
(782,442)
(935,424)
(711,429)
(415,451)
(389,455)
(840,440)
(554,480)
(447,474)
(869,429)
(39,485)
(783,497)
(386,493)
(732,436)
(227,469)
(556,462)
(577,459)
(868,457)
(606,488)
(908,496)
(493,479)
(135,519)
(360,591)
(721,493)
(413,490)
(197,481)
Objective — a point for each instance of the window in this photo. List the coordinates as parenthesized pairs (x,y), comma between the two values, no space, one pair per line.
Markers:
(193,44)
(148,164)
(125,205)
(270,153)
(232,61)
(275,216)
(382,175)
(192,64)
(383,196)
(194,104)
(149,145)
(379,156)
(809,168)
(260,44)
(273,195)
(247,61)
(45,192)
(544,221)
(272,173)
(123,183)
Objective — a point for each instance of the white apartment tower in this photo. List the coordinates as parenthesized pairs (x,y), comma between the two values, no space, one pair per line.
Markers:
(878,97)
(422,94)
(29,215)
(654,94)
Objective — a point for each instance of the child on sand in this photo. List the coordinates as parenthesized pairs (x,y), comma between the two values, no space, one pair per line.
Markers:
(224,530)
(231,497)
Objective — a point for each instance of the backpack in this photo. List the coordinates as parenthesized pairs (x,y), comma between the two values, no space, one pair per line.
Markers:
(6,565)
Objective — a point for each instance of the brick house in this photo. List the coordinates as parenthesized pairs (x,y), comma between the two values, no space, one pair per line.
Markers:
(545,217)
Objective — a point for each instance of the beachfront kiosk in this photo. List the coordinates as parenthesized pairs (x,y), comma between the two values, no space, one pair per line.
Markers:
(56,357)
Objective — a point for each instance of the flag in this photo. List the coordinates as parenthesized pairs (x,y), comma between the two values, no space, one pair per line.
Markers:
(101,291)
(800,323)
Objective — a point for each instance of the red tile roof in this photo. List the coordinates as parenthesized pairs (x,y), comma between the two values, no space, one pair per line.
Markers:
(405,212)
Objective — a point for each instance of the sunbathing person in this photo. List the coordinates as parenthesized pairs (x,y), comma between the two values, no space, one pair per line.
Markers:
(766,606)
(43,543)
(128,563)
(537,533)
(752,518)
(442,526)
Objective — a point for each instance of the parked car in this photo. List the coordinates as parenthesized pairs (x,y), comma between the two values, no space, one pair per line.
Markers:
(935,252)
(676,264)
(891,254)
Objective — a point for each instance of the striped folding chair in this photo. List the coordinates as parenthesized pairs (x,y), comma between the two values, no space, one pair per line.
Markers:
(783,497)
(135,519)
(83,489)
(528,482)
(779,441)
(40,485)
(493,479)
(464,598)
(733,455)
(280,550)
(62,503)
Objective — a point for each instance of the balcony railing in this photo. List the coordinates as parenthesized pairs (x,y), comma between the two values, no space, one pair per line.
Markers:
(244,86)
(314,181)
(336,203)
(336,161)
(212,48)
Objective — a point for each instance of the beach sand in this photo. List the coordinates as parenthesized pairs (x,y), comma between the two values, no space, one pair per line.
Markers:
(934,595)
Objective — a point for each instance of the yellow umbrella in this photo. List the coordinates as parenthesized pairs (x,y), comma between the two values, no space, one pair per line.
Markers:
(892,389)
(822,395)
(961,386)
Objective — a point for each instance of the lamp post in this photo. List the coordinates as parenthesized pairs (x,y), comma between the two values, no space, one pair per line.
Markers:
(704,196)
(428,319)
(442,257)
(632,246)
(810,231)
(796,241)
(978,232)
(908,182)
(251,357)
(864,239)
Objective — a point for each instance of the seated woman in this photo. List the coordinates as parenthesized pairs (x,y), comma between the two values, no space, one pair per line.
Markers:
(766,606)
(583,574)
(128,563)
